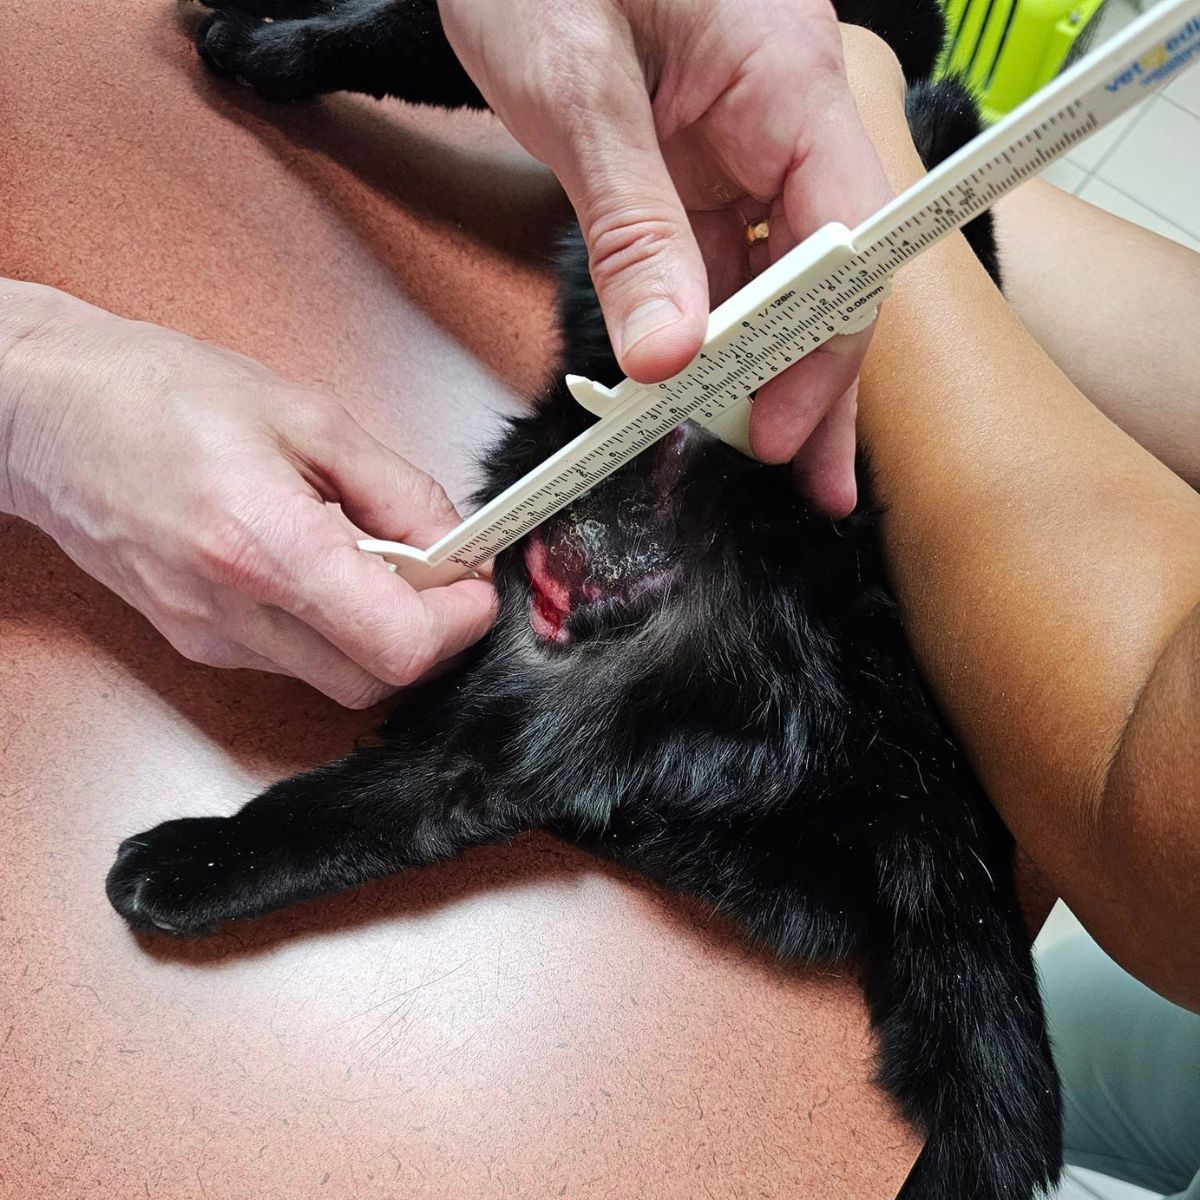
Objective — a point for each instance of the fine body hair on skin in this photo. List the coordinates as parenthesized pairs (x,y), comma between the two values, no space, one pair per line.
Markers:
(692,673)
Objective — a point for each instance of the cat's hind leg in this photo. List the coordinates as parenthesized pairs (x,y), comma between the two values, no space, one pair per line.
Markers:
(378,811)
(954,995)
(379,47)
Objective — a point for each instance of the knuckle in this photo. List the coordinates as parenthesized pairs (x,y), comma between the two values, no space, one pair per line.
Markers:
(625,240)
(429,495)
(409,662)
(320,418)
(563,83)
(207,649)
(230,558)
(245,543)
(364,692)
(824,61)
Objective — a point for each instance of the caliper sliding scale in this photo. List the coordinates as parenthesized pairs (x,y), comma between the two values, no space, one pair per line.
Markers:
(830,284)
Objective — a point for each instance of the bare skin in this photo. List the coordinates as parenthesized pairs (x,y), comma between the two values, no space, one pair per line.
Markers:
(1049,570)
(708,113)
(195,484)
(1083,307)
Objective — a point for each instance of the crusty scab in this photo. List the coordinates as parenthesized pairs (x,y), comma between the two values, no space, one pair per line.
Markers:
(614,549)
(581,565)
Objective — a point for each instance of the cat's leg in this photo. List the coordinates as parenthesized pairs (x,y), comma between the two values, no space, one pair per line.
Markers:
(954,995)
(380,47)
(374,813)
(950,981)
(795,890)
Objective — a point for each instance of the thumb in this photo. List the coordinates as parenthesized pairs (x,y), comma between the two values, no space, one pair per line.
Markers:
(381,492)
(645,262)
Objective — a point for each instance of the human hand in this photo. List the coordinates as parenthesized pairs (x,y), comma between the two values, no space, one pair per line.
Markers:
(672,124)
(197,485)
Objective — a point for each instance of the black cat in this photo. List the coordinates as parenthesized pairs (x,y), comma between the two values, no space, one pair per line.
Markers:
(692,673)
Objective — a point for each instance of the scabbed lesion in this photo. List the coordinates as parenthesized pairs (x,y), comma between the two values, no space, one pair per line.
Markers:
(613,555)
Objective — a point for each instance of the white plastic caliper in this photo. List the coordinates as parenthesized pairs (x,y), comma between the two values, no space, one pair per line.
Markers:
(829,285)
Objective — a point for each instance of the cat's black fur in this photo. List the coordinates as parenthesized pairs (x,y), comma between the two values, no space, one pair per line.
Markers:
(731,706)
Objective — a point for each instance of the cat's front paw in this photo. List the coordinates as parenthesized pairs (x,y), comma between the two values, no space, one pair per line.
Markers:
(278,59)
(183,876)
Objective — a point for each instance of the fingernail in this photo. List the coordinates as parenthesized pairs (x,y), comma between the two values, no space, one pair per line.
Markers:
(646,319)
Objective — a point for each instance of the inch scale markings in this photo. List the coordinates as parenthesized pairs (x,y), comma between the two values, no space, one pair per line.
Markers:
(831,284)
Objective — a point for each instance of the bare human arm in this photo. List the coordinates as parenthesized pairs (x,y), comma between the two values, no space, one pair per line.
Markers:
(1082,305)
(1049,571)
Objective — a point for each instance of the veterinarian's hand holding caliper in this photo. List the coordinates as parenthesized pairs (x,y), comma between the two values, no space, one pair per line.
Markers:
(830,285)
(676,126)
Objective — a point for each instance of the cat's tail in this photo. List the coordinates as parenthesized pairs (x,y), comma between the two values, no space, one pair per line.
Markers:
(954,996)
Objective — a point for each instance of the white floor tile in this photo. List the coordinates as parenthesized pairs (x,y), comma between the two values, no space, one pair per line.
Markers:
(1078,1183)
(1101,194)
(1065,174)
(1158,162)
(1185,91)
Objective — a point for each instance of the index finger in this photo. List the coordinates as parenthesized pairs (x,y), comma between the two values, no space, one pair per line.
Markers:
(835,174)
(370,614)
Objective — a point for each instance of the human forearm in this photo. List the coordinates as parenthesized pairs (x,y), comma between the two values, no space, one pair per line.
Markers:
(1124,324)
(1158,821)
(1046,566)
(1045,563)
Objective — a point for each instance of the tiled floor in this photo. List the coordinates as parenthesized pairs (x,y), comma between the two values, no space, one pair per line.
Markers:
(1077,1182)
(1146,166)
(1060,924)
